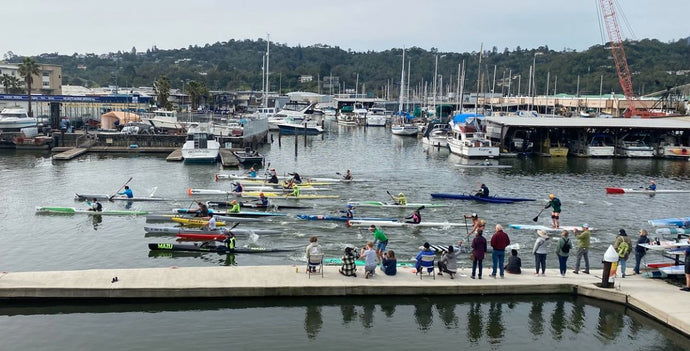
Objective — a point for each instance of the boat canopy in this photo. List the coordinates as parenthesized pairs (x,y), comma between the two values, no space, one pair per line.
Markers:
(463,117)
(109,119)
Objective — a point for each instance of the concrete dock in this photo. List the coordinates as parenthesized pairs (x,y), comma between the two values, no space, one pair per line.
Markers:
(656,298)
(70,154)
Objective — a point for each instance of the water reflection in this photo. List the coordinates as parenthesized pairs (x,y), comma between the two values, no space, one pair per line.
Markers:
(474,322)
(313,321)
(495,328)
(536,320)
(558,321)
(96,221)
(423,313)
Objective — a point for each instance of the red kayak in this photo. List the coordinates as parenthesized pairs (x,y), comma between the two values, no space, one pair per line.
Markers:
(201,237)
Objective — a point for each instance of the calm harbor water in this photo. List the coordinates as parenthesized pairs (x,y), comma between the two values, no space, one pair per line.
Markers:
(30,242)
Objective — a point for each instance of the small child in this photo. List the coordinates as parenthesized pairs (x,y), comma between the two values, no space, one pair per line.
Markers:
(514,263)
(369,255)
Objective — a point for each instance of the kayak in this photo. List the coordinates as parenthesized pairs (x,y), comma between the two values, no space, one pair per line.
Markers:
(305,180)
(236,231)
(338,261)
(340,218)
(209,248)
(670,222)
(365,223)
(72,210)
(102,197)
(169,217)
(386,204)
(672,231)
(490,199)
(191,191)
(481,165)
(643,191)
(201,237)
(242,219)
(239,214)
(275,189)
(223,204)
(546,228)
(194,221)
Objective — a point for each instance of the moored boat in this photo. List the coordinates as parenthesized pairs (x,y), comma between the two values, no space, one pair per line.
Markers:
(249,156)
(16,119)
(200,147)
(468,138)
(72,210)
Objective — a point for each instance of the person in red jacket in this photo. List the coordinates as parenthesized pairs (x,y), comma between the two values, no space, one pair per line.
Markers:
(499,242)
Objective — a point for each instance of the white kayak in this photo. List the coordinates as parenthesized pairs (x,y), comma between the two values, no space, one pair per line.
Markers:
(390,204)
(102,197)
(546,228)
(644,191)
(272,189)
(365,223)
(221,176)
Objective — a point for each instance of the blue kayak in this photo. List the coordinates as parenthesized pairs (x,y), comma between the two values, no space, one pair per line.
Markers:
(490,199)
(682,222)
(341,218)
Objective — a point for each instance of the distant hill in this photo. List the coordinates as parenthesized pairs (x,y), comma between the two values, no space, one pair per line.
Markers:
(237,65)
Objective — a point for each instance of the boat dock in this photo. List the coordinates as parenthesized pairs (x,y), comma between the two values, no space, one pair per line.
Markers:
(175,156)
(648,296)
(68,154)
(228,159)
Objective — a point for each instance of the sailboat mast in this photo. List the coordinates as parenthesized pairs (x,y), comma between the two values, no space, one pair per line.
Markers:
(268,55)
(479,70)
(407,90)
(402,82)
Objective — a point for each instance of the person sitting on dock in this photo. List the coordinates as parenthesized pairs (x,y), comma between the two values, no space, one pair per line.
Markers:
(349,268)
(415,217)
(429,265)
(202,210)
(96,206)
(296,178)
(273,176)
(651,186)
(239,188)
(235,207)
(400,199)
(483,191)
(514,265)
(348,175)
(448,262)
(127,192)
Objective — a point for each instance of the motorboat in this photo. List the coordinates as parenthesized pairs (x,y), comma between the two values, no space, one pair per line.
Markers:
(404,129)
(634,145)
(164,120)
(16,119)
(436,134)
(296,111)
(554,149)
(594,145)
(377,117)
(293,127)
(249,156)
(468,138)
(200,147)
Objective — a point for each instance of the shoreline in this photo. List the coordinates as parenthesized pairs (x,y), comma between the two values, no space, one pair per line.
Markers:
(648,296)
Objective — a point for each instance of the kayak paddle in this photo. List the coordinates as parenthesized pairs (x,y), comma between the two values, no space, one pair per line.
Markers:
(118,190)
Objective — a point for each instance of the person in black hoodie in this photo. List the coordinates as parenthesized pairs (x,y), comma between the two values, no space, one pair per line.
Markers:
(640,251)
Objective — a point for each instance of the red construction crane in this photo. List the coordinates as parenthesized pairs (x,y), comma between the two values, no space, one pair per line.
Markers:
(609,16)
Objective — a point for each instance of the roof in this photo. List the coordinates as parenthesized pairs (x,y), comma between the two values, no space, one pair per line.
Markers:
(566,122)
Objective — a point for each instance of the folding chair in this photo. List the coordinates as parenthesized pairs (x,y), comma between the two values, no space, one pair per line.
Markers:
(315,262)
(428,264)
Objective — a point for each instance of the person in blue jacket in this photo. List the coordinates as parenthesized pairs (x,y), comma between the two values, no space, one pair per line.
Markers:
(652,185)
(429,265)
(127,192)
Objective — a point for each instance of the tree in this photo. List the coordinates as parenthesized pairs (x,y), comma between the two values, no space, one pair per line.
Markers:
(196,91)
(12,84)
(161,87)
(28,69)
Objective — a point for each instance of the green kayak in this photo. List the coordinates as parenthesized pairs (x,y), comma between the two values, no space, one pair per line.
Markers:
(72,210)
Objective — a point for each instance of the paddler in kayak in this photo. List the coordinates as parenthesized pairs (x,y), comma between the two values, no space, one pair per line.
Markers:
(555,204)
(348,212)
(263,201)
(211,225)
(295,191)
(296,178)
(400,199)
(415,217)
(483,191)
(239,188)
(289,184)
(252,172)
(202,210)
(348,175)
(273,176)
(651,186)
(127,192)
(235,207)
(96,206)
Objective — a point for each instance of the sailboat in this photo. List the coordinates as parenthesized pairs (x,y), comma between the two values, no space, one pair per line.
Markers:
(401,125)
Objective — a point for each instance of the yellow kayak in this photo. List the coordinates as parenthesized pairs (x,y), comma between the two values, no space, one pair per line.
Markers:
(195,221)
(304,184)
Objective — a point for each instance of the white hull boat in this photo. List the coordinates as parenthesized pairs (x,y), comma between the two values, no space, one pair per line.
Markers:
(200,147)
(15,119)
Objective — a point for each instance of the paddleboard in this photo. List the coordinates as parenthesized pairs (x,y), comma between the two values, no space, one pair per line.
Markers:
(672,231)
(236,231)
(341,218)
(546,228)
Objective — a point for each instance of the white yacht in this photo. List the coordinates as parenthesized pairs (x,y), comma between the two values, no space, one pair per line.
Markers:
(14,119)
(377,117)
(297,111)
(469,140)
(594,145)
(634,145)
(200,146)
(164,120)
(436,134)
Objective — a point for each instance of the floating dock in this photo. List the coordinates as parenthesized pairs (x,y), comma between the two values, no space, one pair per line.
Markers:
(175,156)
(70,153)
(228,159)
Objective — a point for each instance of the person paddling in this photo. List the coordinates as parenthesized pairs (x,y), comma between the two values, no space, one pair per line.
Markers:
(296,178)
(652,185)
(252,172)
(235,207)
(202,210)
(483,191)
(348,175)
(96,206)
(415,217)
(400,199)
(239,188)
(263,200)
(555,204)
(127,192)
(273,176)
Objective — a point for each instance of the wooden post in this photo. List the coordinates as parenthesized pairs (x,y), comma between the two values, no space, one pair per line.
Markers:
(305,134)
(279,134)
(296,137)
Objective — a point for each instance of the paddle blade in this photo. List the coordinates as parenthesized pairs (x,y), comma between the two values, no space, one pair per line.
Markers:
(535,219)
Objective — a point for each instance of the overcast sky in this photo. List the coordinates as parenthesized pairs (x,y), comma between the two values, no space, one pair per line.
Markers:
(33,27)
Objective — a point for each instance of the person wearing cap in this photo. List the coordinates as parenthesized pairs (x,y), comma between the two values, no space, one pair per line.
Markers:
(238,188)
(652,185)
(252,172)
(622,249)
(348,211)
(541,248)
(640,250)
(400,199)
(380,239)
(555,205)
(477,224)
(583,242)
(263,200)
(483,191)
(235,207)
(429,265)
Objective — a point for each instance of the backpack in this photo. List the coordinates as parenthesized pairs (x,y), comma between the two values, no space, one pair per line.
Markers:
(623,249)
(566,246)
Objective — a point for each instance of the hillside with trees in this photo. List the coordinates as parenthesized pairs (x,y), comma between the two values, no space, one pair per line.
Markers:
(237,65)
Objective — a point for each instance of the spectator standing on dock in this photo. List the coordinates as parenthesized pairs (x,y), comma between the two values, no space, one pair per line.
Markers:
(380,239)
(555,205)
(623,245)
(127,192)
(583,242)
(478,251)
(499,241)
(563,251)
(640,250)
(541,248)
(687,269)
(514,265)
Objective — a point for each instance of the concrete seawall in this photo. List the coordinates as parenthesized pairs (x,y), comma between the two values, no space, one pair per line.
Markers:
(656,298)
